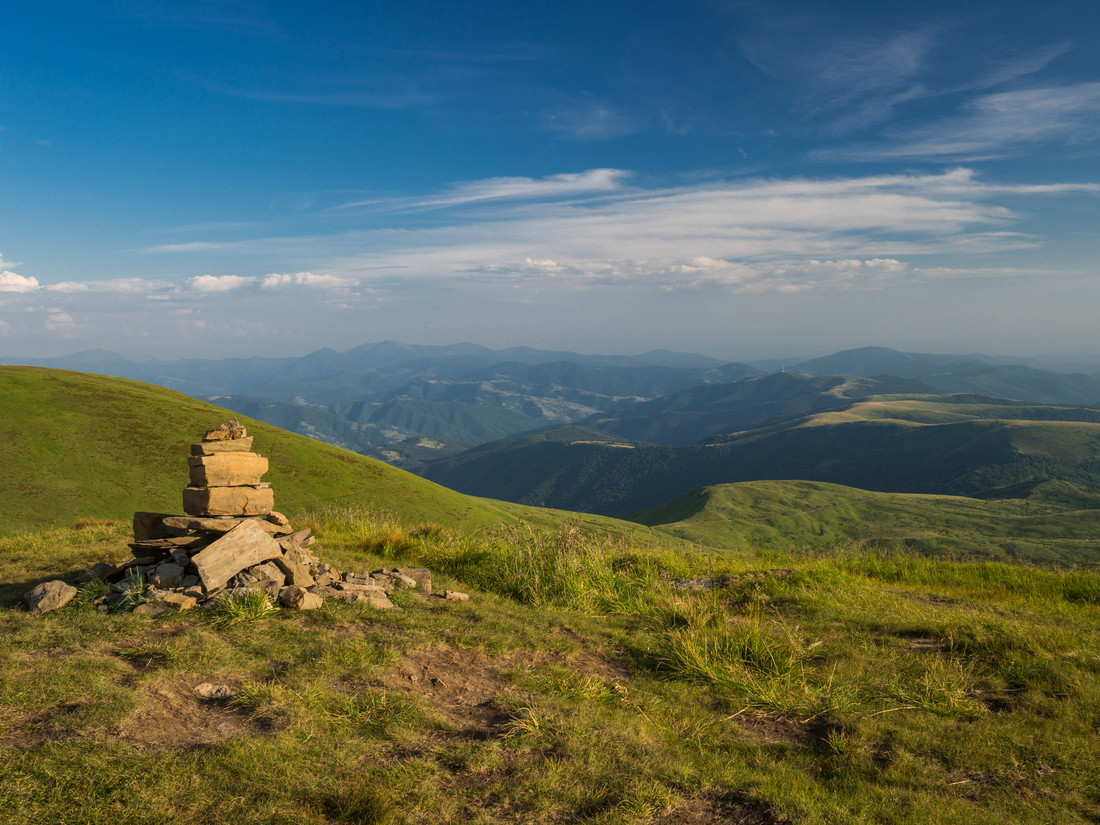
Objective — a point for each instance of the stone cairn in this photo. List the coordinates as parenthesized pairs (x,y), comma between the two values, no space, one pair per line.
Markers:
(232,542)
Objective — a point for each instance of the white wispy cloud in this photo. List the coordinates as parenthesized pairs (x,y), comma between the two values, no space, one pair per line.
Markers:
(756,227)
(568,184)
(996,125)
(584,117)
(777,232)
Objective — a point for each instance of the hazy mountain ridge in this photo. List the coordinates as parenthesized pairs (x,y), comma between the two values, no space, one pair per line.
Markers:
(410,404)
(575,468)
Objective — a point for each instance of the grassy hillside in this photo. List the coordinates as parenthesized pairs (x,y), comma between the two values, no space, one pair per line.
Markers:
(74,446)
(808,514)
(938,444)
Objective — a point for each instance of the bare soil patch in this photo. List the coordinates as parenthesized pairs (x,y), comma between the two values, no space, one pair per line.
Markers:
(167,716)
(465,684)
(779,730)
(173,716)
(462,683)
(723,807)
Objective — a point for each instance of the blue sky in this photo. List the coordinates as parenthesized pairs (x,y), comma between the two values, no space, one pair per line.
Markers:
(744,179)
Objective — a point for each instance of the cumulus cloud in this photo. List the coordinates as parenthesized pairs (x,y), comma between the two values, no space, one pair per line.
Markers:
(11,282)
(306,279)
(117,286)
(215,284)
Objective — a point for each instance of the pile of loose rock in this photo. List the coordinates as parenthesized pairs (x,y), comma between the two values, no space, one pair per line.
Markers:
(230,542)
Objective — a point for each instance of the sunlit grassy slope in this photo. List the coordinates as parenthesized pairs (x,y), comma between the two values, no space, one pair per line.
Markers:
(799,514)
(74,445)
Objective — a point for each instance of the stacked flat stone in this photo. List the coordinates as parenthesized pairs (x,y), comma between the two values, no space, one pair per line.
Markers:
(226,476)
(229,542)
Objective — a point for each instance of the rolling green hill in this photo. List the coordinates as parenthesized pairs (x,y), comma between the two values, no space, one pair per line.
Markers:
(798,514)
(76,445)
(890,444)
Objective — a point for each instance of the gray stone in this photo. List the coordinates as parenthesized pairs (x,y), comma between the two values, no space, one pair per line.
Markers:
(102,571)
(150,526)
(242,547)
(166,575)
(233,445)
(152,608)
(228,501)
(219,693)
(381,579)
(401,581)
(188,582)
(51,595)
(300,540)
(278,519)
(296,574)
(244,579)
(213,524)
(269,572)
(421,575)
(177,601)
(372,596)
(298,598)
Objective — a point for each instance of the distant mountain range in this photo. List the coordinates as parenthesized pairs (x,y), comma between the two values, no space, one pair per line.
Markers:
(425,407)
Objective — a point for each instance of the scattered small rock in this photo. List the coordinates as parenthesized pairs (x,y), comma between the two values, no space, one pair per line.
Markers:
(455,596)
(219,693)
(278,519)
(297,598)
(48,596)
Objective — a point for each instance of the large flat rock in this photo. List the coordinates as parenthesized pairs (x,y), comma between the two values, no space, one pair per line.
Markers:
(215,524)
(246,545)
(232,469)
(233,445)
(228,501)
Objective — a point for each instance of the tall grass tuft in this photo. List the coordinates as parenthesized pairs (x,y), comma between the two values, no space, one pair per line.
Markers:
(240,608)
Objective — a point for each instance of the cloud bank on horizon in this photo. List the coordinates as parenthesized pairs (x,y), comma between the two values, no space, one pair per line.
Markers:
(737,178)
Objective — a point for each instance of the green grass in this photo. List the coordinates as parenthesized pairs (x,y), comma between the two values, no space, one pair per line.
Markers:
(807,514)
(576,685)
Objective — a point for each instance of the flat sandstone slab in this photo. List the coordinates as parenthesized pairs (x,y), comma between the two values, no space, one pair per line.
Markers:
(232,469)
(228,501)
(233,445)
(214,524)
(244,546)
